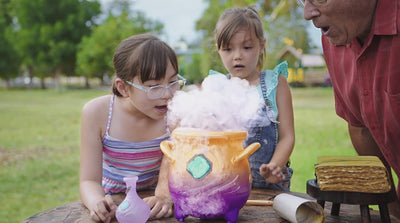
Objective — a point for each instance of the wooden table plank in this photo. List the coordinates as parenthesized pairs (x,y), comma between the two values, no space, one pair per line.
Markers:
(75,212)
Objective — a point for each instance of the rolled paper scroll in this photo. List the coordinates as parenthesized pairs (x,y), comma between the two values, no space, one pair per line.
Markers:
(298,210)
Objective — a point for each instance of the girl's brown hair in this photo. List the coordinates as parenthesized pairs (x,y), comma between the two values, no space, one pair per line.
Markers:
(232,20)
(144,55)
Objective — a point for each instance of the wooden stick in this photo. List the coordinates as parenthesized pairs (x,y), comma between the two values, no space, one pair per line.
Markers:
(259,203)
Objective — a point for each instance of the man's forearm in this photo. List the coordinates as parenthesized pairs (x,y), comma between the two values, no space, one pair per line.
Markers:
(364,143)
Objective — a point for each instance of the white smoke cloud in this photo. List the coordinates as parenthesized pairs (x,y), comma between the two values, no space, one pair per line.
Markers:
(220,104)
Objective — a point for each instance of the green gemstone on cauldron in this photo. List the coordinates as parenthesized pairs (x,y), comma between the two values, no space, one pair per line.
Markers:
(198,166)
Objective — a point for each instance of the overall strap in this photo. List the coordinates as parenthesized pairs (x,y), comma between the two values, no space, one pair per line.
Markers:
(264,88)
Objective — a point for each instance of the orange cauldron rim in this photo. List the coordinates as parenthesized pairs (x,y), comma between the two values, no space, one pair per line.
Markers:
(190,132)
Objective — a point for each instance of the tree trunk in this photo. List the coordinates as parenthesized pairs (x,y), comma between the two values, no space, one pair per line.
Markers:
(42,83)
(8,84)
(57,79)
(30,73)
(87,84)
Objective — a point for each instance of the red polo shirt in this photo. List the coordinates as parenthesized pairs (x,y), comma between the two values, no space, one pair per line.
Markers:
(366,80)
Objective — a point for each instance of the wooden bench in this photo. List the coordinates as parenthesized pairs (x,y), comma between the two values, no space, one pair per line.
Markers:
(355,198)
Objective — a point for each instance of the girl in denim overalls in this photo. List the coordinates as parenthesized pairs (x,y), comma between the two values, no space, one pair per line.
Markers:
(241,46)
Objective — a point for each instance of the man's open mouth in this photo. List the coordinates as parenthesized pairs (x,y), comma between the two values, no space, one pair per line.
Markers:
(325,29)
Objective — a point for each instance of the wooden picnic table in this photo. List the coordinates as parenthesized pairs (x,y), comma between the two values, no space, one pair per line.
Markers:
(75,212)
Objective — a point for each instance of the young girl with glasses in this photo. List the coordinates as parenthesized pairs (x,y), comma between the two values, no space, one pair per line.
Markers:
(121,133)
(241,46)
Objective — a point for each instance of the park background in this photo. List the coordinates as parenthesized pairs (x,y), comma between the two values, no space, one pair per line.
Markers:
(56,55)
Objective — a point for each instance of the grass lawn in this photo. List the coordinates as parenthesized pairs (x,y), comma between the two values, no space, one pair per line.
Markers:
(39,149)
(319,131)
(39,144)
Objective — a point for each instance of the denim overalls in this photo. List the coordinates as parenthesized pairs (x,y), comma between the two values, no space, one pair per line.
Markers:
(267,136)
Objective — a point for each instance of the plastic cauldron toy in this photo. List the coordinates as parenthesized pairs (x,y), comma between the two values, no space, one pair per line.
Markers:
(209,175)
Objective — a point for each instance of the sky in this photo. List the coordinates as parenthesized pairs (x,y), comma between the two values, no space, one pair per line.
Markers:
(179,18)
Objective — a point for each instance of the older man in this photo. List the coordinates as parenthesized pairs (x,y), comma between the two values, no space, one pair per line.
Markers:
(361,44)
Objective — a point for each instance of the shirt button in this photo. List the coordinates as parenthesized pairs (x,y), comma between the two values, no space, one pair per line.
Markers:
(365,92)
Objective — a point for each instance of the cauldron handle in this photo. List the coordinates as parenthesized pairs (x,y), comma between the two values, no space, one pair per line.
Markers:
(247,152)
(166,149)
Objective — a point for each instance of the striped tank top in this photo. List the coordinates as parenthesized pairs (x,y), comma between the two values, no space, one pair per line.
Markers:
(122,159)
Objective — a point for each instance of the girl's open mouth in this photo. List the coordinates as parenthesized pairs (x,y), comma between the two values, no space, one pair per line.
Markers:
(162,109)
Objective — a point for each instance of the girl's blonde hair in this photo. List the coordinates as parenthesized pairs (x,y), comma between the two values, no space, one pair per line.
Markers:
(142,55)
(232,20)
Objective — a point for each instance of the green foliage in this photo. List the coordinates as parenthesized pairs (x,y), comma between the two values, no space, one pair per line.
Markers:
(280,19)
(96,51)
(48,32)
(10,60)
(289,23)
(210,57)
(55,38)
(48,35)
(192,71)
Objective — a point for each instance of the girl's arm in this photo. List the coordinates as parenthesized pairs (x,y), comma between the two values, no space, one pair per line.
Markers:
(286,139)
(101,207)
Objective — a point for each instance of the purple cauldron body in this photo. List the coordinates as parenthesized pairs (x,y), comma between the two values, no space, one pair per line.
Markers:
(207,201)
(209,175)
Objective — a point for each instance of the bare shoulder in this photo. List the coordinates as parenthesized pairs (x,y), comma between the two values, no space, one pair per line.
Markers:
(283,85)
(97,103)
(97,107)
(283,93)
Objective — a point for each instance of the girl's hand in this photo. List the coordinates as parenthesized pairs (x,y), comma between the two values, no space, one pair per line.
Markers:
(104,210)
(272,173)
(161,207)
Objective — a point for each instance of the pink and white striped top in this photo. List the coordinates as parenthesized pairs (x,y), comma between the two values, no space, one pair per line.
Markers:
(122,159)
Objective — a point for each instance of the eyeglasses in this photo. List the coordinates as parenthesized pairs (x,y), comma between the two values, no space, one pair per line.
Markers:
(158,91)
(314,2)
